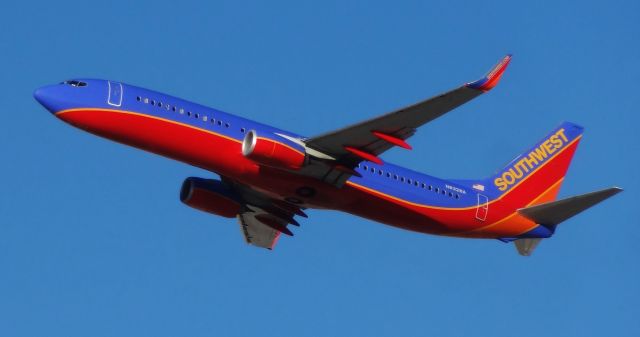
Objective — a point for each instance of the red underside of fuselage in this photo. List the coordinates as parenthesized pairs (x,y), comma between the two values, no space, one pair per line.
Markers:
(221,154)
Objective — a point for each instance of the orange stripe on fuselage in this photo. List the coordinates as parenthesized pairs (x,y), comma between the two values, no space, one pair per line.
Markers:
(192,147)
(461,221)
(60,113)
(514,224)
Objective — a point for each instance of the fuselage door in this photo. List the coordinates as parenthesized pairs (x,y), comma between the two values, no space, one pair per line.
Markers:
(115,93)
(483,207)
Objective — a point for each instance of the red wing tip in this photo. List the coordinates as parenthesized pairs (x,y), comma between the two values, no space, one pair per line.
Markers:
(493,76)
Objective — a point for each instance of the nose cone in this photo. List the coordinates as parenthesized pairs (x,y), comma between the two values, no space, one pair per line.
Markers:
(46,96)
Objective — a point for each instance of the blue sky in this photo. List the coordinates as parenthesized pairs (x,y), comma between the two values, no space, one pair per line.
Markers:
(94,241)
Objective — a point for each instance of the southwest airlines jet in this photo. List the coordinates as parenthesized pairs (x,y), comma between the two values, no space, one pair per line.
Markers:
(270,176)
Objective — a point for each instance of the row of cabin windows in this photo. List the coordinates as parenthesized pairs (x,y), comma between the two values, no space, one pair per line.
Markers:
(181,111)
(416,183)
(409,181)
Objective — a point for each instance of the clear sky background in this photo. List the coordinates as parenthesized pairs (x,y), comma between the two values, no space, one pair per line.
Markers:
(94,241)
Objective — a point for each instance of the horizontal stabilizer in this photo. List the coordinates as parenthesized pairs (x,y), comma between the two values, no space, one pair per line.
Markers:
(555,212)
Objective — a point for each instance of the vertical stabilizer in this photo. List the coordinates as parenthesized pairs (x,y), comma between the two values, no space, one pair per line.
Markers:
(535,176)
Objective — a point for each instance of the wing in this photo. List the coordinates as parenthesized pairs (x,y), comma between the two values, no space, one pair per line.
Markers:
(368,139)
(262,219)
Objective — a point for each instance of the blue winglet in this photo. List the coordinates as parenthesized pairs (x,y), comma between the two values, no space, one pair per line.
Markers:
(493,76)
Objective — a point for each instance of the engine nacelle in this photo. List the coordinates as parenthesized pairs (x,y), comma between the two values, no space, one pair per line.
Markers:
(273,150)
(210,196)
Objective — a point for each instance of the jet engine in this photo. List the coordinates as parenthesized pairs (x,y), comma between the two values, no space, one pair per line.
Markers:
(211,196)
(273,150)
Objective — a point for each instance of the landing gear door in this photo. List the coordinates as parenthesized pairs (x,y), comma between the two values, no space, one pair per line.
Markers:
(115,93)
(483,207)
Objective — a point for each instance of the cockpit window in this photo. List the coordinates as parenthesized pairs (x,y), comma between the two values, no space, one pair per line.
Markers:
(75,83)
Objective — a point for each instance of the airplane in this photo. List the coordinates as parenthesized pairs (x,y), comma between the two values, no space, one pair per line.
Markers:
(269,176)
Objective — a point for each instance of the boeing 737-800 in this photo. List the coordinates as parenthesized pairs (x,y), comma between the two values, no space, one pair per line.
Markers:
(270,176)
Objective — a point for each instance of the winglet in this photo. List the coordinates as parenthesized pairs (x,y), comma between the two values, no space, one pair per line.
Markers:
(493,76)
